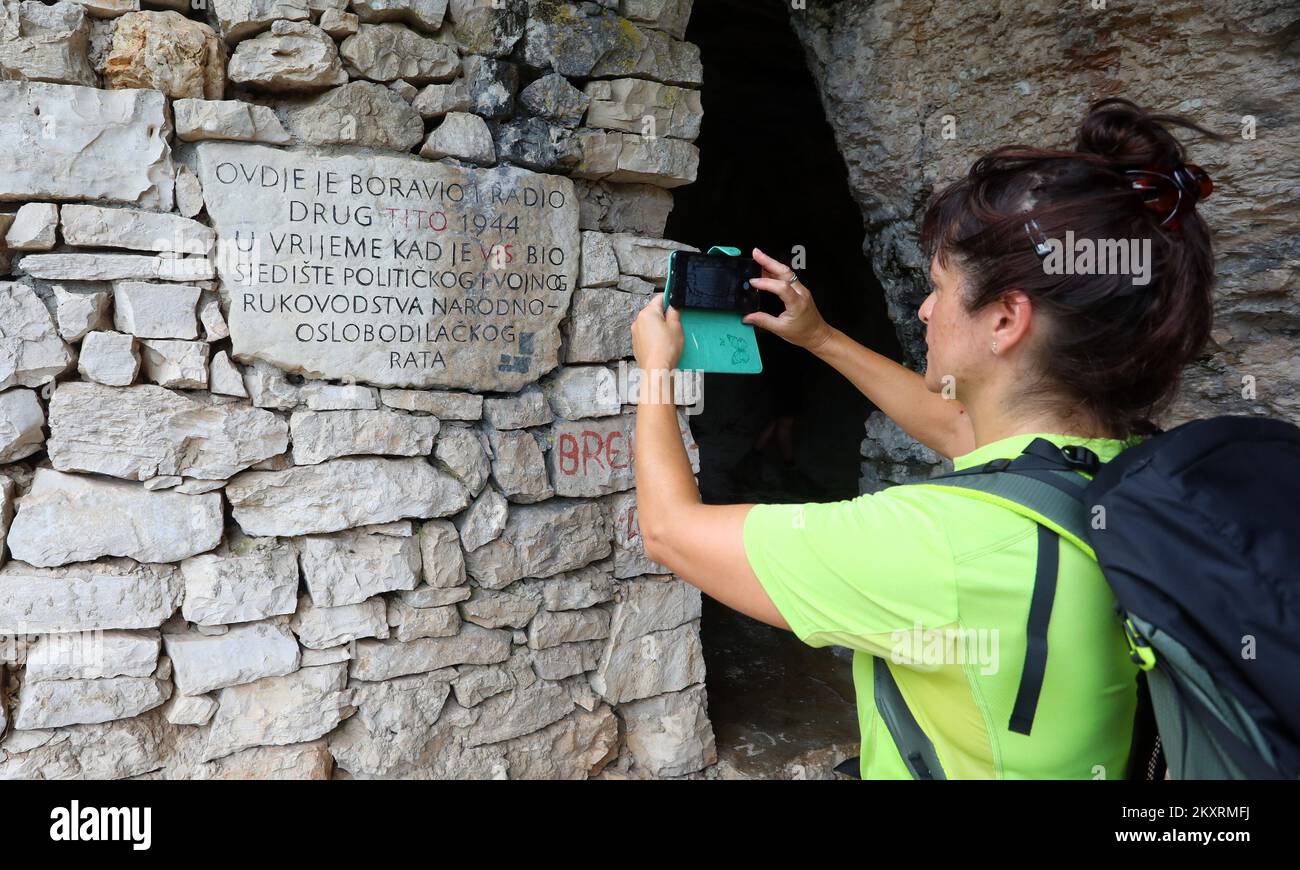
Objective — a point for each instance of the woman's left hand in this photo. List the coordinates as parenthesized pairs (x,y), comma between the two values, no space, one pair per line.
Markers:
(657,338)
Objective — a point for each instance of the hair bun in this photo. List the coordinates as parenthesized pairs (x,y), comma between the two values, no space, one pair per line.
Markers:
(1128,135)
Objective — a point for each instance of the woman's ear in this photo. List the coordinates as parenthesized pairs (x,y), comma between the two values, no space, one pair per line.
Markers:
(1012,315)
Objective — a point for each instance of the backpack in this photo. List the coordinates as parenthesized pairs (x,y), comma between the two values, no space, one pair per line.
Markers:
(1197,532)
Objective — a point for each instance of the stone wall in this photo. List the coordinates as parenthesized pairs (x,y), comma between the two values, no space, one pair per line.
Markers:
(316,423)
(916,91)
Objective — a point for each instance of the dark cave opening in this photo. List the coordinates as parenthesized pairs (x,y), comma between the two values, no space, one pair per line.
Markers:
(771,177)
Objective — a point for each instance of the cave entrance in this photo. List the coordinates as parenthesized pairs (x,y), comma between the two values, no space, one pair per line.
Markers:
(770,176)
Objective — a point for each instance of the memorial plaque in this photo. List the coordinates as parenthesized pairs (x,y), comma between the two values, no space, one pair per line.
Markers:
(395,271)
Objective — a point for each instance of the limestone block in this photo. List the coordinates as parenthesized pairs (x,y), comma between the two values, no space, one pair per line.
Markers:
(435,101)
(384,52)
(579,392)
(645,257)
(521,410)
(600,264)
(43,43)
(247,652)
(575,45)
(79,313)
(506,608)
(384,660)
(640,667)
(463,452)
(339,397)
(233,120)
(616,208)
(518,467)
(293,55)
(670,734)
(358,113)
(409,623)
(93,655)
(541,540)
(240,19)
(441,556)
(65,142)
(551,628)
(628,157)
(338,24)
(189,193)
(321,435)
(423,14)
(56,703)
(243,580)
(443,404)
(21,424)
(173,363)
(109,358)
(31,352)
(74,518)
(670,16)
(553,98)
(538,144)
(599,328)
(485,519)
(156,310)
(33,227)
(167,52)
(224,378)
(116,267)
(645,108)
(341,494)
(462,136)
(488,28)
(95,227)
(579,589)
(321,628)
(111,594)
(280,710)
(350,566)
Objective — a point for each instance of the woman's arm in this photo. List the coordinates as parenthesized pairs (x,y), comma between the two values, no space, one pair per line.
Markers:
(939,423)
(702,544)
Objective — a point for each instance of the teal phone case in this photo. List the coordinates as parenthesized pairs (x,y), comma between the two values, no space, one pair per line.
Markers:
(717,341)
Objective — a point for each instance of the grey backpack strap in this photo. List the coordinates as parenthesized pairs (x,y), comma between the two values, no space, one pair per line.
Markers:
(917,750)
(1046,482)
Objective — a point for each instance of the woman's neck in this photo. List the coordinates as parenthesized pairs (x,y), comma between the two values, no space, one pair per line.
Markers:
(993,424)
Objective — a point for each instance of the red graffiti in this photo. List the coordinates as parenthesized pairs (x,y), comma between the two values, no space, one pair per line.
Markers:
(593,452)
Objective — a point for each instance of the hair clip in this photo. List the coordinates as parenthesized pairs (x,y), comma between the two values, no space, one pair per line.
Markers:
(1037,237)
(1172,193)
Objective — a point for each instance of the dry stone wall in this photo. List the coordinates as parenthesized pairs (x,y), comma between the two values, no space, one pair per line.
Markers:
(316,415)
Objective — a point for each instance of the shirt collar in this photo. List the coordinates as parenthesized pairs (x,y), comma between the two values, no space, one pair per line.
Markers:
(1011,446)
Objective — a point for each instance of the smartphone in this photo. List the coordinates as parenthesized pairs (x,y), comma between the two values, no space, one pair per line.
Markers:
(713,282)
(713,293)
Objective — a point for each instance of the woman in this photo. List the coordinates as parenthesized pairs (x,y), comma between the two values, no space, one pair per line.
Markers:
(1015,350)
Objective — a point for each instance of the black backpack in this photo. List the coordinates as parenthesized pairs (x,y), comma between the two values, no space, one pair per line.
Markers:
(1197,531)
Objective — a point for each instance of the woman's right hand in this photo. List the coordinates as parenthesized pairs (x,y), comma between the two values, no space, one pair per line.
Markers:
(800,323)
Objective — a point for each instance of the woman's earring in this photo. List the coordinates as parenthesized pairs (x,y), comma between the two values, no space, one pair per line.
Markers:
(994,347)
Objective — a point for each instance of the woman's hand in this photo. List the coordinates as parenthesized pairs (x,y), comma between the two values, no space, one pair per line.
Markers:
(657,338)
(801,323)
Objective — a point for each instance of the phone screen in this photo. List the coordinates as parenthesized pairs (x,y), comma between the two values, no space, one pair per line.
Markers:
(713,281)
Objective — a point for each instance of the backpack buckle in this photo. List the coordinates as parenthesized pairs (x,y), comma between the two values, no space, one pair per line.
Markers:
(1138,649)
(1080,458)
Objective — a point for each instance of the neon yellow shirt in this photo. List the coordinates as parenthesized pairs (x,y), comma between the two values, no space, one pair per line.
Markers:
(939,583)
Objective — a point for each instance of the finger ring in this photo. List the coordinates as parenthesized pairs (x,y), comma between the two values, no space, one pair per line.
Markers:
(794,277)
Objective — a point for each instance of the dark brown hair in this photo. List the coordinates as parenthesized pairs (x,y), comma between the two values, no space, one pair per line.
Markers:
(1113,349)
